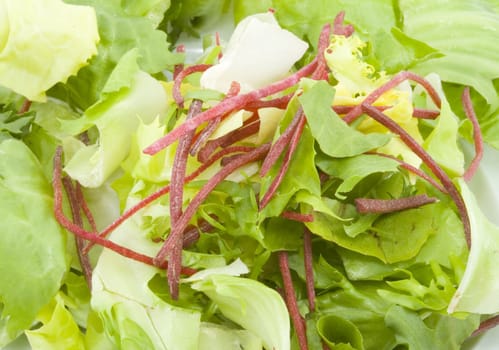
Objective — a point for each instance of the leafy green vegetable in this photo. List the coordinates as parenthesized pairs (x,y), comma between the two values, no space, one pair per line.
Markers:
(39,46)
(30,230)
(337,139)
(252,305)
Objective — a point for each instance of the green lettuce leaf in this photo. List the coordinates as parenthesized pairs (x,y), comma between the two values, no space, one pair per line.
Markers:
(41,44)
(29,230)
(130,96)
(59,330)
(458,29)
(252,305)
(481,268)
(132,315)
(448,333)
(121,29)
(337,139)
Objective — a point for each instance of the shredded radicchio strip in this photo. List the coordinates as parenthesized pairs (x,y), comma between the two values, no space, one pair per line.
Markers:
(181,224)
(290,298)
(293,144)
(477,135)
(309,268)
(89,236)
(382,206)
(178,67)
(322,68)
(341,29)
(227,140)
(487,325)
(176,200)
(229,105)
(85,208)
(396,80)
(292,215)
(25,106)
(415,171)
(383,119)
(281,143)
(425,113)
(177,96)
(278,102)
(77,219)
(213,124)
(191,233)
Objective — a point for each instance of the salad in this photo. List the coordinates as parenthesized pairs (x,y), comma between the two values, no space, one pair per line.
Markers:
(301,184)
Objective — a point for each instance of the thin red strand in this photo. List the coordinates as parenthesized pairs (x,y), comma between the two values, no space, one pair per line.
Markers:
(292,304)
(477,135)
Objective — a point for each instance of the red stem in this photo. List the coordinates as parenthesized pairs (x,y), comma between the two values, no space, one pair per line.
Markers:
(176,201)
(77,219)
(293,143)
(281,143)
(487,325)
(177,96)
(229,105)
(477,135)
(382,206)
(292,215)
(292,304)
(309,268)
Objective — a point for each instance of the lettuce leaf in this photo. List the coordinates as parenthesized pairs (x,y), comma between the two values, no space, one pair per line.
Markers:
(252,305)
(30,230)
(481,268)
(59,330)
(41,44)
(131,95)
(458,29)
(121,29)
(132,315)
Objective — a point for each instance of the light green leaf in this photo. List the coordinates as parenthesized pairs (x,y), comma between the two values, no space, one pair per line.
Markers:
(120,32)
(352,170)
(214,336)
(339,333)
(481,268)
(132,315)
(252,305)
(59,330)
(458,29)
(32,245)
(334,136)
(139,97)
(41,44)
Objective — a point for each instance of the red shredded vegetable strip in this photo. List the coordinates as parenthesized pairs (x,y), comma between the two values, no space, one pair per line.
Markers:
(290,298)
(477,135)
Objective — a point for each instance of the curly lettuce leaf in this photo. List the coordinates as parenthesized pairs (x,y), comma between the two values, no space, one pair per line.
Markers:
(32,245)
(59,330)
(41,44)
(131,95)
(121,29)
